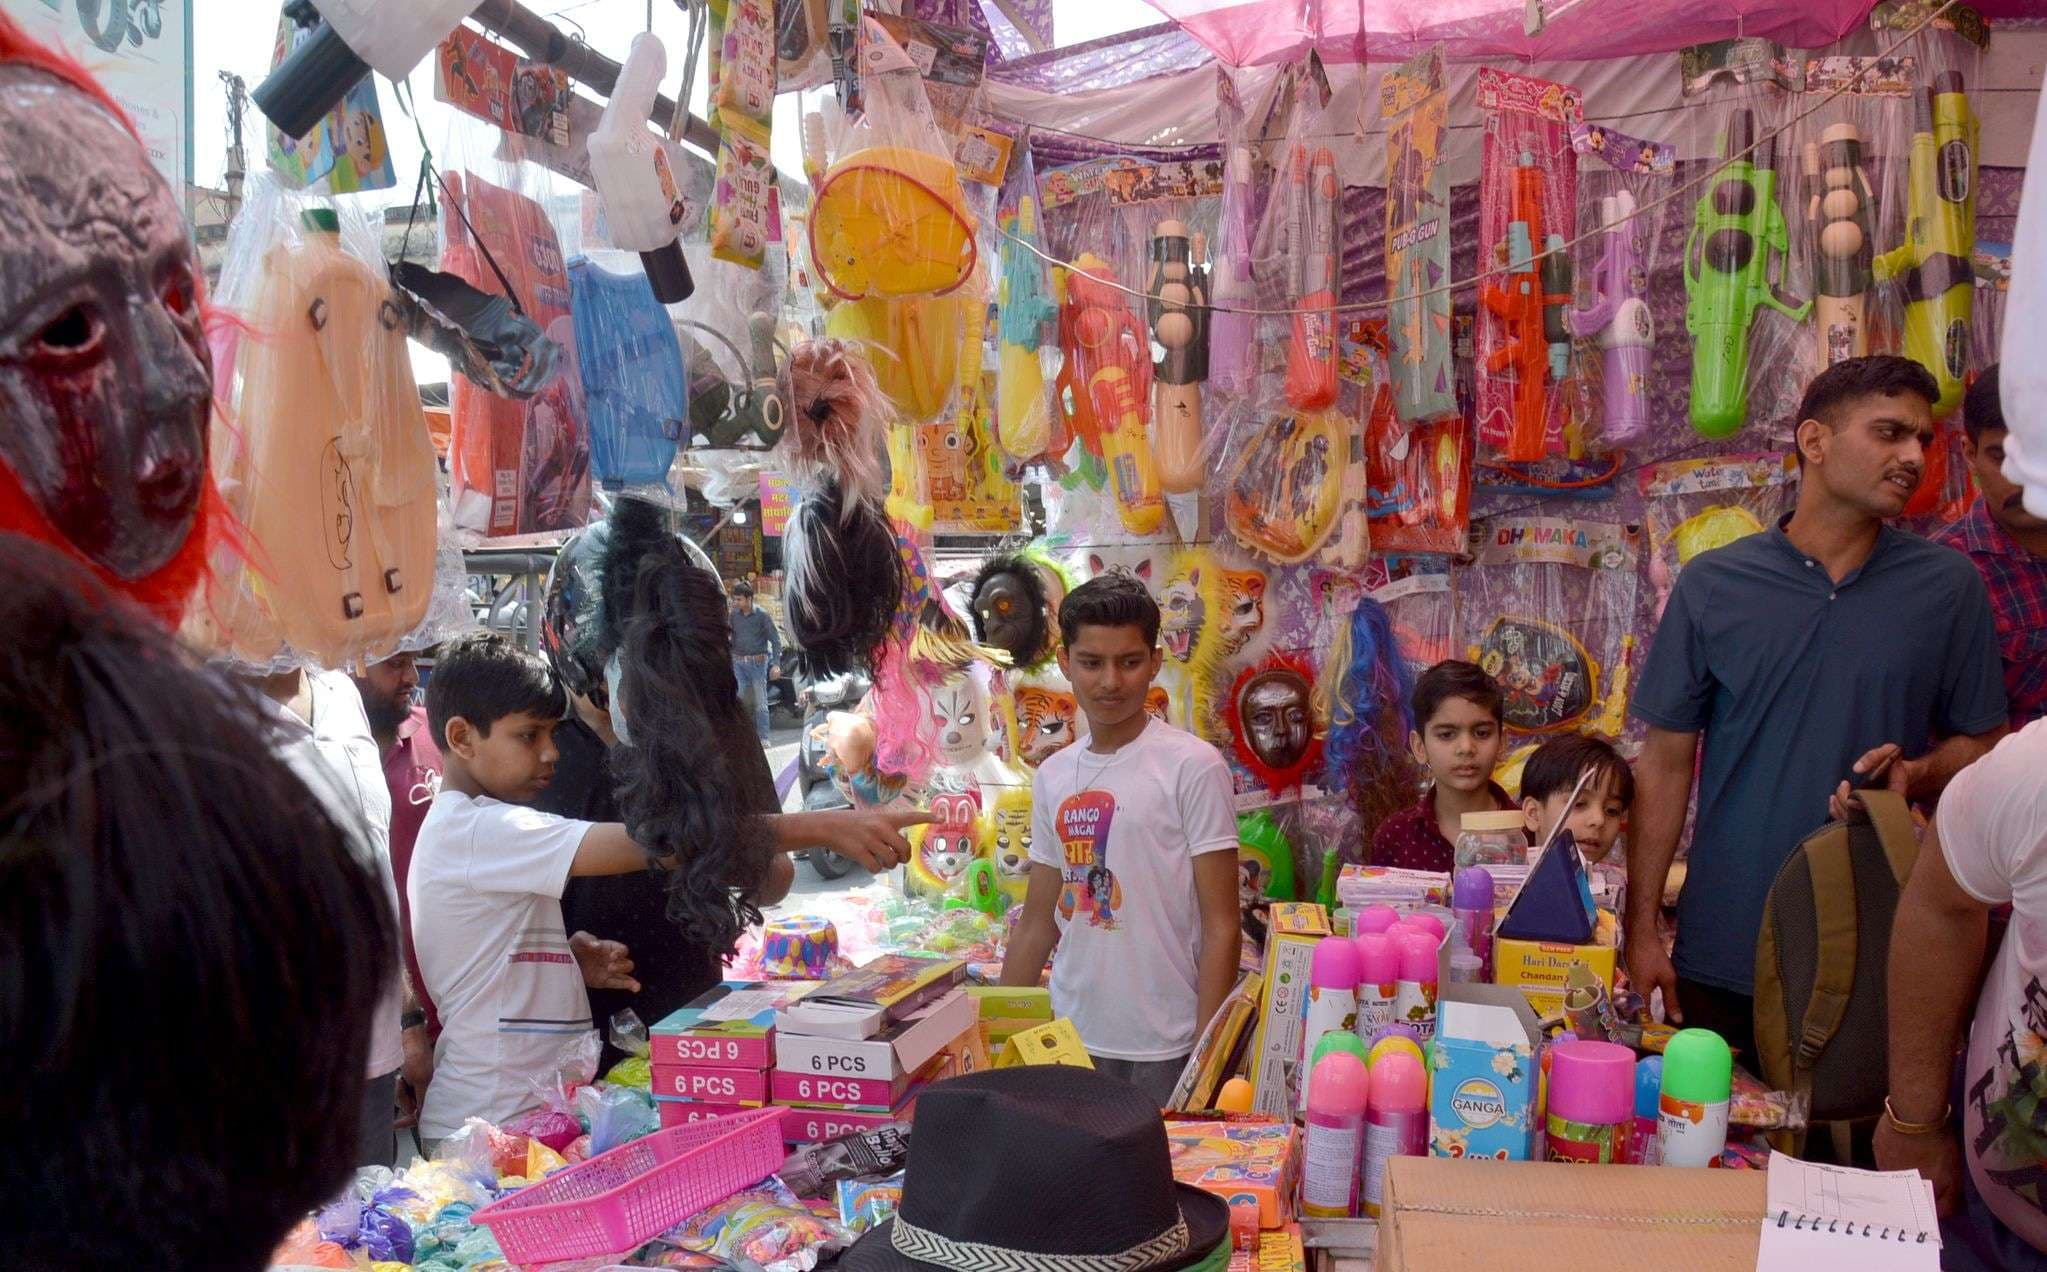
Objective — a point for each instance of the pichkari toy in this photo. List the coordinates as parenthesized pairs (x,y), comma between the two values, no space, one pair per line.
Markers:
(1537,347)
(1310,249)
(1272,722)
(1736,228)
(1940,234)
(1413,104)
(1105,386)
(1283,493)
(1024,418)
(1838,212)
(1619,318)
(1179,317)
(1417,475)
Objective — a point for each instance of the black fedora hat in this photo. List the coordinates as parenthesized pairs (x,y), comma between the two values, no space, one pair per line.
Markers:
(1044,1168)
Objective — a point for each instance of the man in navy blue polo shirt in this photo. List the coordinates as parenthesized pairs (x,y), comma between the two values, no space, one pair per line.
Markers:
(1828,645)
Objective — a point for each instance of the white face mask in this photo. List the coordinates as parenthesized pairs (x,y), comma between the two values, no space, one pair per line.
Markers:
(612,675)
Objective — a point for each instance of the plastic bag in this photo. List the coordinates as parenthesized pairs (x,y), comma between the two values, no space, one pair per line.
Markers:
(1420,604)
(1620,199)
(629,1035)
(1417,475)
(1026,424)
(763,1226)
(1693,505)
(862,1204)
(1414,105)
(1528,206)
(1296,241)
(552,1123)
(637,396)
(617,1115)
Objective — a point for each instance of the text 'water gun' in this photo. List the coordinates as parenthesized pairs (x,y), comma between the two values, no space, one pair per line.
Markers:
(1838,210)
(1179,322)
(1619,317)
(1024,422)
(1940,237)
(1533,305)
(1104,387)
(1736,226)
(1311,258)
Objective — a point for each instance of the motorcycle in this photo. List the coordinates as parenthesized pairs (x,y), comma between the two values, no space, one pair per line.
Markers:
(819,698)
(784,709)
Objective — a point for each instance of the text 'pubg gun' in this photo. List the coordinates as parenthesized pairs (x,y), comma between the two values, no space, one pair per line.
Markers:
(1179,312)
(1105,386)
(1619,317)
(1736,228)
(1838,213)
(1533,306)
(1940,238)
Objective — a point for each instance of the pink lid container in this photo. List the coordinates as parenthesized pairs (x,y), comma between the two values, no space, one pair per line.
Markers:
(1373,918)
(1425,922)
(1592,1082)
(1335,964)
(1418,957)
(1338,1085)
(1378,959)
(1399,1083)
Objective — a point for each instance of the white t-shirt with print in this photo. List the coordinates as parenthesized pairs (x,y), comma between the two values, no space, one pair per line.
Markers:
(1123,830)
(485,891)
(1993,832)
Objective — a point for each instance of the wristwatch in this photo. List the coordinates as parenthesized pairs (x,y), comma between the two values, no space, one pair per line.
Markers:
(412,1019)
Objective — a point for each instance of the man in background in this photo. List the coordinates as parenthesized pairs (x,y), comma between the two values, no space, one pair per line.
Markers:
(756,653)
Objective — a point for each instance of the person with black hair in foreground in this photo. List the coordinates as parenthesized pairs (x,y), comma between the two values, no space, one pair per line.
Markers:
(1830,646)
(190,949)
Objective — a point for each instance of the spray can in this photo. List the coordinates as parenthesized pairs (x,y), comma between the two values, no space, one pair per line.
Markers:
(1591,1103)
(1414,994)
(1648,1092)
(1423,921)
(1397,1122)
(1373,918)
(1332,1140)
(1332,999)
(1471,900)
(1391,1039)
(1698,1080)
(1378,972)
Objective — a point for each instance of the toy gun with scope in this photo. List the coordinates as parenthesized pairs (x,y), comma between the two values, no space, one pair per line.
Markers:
(1619,317)
(1533,306)
(1736,227)
(1940,237)
(1837,214)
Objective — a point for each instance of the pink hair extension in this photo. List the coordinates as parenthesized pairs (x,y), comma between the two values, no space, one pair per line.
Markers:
(839,421)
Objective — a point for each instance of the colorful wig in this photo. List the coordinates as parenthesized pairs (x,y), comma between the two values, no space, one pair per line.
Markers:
(1363,694)
(839,422)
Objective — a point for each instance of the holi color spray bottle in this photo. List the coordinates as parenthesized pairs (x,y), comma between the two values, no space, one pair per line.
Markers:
(1396,1121)
(1334,1136)
(1698,1081)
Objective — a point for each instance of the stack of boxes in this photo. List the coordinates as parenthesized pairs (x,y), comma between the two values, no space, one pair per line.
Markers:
(713,1057)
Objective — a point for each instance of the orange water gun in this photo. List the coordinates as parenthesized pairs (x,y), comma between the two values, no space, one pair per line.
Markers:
(1105,386)
(1533,293)
(1311,261)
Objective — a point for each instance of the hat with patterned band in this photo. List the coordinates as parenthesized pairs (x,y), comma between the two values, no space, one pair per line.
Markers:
(1044,1168)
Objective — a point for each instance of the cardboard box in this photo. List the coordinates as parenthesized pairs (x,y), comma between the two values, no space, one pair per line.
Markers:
(1538,968)
(1253,1159)
(1296,927)
(687,1112)
(1055,1043)
(903,1048)
(1484,1076)
(712,1085)
(1279,1251)
(730,1026)
(1005,1002)
(814,1126)
(1453,1214)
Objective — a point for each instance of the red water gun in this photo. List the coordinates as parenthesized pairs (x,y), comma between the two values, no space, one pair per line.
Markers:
(1530,296)
(1105,388)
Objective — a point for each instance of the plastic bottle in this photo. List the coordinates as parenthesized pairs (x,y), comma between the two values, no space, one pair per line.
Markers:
(1465,967)
(1414,994)
(1332,999)
(1698,1080)
(1397,1121)
(1404,1042)
(1471,900)
(1423,921)
(1487,839)
(1373,918)
(1378,970)
(1338,1041)
(1648,1092)
(1591,1102)
(1331,1142)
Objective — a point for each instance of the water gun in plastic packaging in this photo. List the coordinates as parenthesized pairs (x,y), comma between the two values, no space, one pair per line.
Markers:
(1940,237)
(1311,256)
(1231,330)
(1533,305)
(1736,227)
(1837,215)
(1105,385)
(1178,310)
(1619,318)
(1025,424)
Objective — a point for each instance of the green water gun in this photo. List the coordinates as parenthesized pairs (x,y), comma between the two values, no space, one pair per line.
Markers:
(1736,228)
(1940,238)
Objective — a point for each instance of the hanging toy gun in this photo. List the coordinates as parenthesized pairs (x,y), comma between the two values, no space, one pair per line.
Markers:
(1940,237)
(1178,310)
(1619,317)
(1104,384)
(1024,419)
(1538,345)
(1311,255)
(1736,226)
(1231,330)
(1837,215)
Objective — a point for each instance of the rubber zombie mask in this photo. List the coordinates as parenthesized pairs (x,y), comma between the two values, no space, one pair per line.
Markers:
(1009,607)
(104,371)
(1273,723)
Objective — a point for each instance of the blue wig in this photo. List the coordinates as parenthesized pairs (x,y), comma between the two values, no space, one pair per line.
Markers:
(1365,690)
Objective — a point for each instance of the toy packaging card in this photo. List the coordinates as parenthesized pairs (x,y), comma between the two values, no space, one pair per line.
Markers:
(346,152)
(1252,1159)
(1528,204)
(1295,927)
(1621,206)
(1417,475)
(731,1024)
(1695,505)
(499,87)
(1548,610)
(1277,1251)
(1413,104)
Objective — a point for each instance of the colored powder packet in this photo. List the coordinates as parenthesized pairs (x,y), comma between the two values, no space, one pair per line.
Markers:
(863,1205)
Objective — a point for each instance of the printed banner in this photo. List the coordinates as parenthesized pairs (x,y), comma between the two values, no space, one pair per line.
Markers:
(1414,104)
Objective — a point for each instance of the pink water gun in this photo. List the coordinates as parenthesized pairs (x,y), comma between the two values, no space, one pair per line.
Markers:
(1230,332)
(1311,256)
(1619,317)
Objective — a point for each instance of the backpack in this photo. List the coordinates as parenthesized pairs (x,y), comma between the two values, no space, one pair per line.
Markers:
(1821,964)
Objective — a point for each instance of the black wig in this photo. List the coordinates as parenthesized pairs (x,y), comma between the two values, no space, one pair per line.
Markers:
(845,581)
(693,783)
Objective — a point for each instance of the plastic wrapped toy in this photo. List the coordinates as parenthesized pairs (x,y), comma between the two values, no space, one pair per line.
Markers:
(1272,722)
(1694,505)
(631,364)
(1179,320)
(1414,104)
(1283,488)
(764,1227)
(1024,418)
(629,165)
(1106,384)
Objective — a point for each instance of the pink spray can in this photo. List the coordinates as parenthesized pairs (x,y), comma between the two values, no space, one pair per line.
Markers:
(1591,1102)
(1373,918)
(1414,994)
(1396,1121)
(1378,972)
(1333,1139)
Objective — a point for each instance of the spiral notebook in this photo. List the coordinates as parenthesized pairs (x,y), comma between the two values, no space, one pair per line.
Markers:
(1822,1218)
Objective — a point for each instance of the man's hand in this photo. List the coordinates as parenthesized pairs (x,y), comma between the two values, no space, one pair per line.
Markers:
(871,838)
(1898,776)
(605,964)
(1938,1157)
(413,1078)
(1650,968)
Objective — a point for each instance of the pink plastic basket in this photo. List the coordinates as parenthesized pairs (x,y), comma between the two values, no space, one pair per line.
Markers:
(635,1192)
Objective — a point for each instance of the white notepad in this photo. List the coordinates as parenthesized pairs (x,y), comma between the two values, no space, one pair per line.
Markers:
(1823,1218)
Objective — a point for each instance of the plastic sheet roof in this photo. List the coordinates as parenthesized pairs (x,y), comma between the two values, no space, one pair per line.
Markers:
(1257,32)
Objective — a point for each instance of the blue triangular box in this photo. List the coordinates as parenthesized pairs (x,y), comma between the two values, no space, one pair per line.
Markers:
(1555,901)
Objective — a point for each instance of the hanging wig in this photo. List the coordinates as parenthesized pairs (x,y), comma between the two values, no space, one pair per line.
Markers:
(1028,612)
(845,581)
(1363,693)
(838,429)
(684,789)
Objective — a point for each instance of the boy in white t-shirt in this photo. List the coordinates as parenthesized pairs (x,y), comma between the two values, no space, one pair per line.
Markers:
(1133,855)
